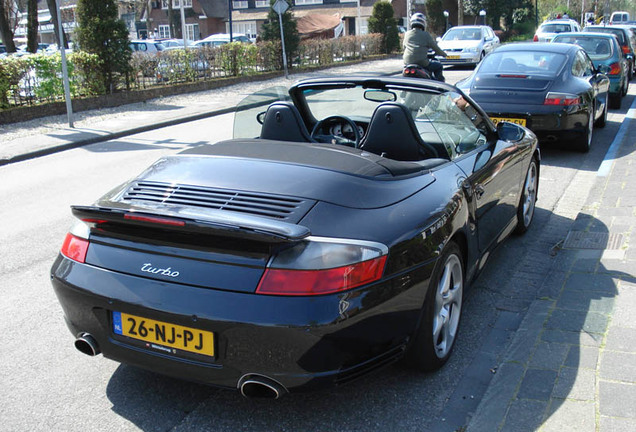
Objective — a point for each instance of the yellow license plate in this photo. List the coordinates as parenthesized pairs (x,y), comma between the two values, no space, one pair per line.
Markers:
(452,57)
(161,335)
(519,121)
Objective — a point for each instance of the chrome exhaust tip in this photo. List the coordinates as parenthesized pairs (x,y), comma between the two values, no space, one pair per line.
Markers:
(254,386)
(87,344)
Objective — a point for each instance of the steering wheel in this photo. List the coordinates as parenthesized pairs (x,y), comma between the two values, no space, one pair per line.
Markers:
(333,139)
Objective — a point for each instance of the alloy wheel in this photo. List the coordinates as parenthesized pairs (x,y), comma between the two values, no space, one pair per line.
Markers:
(448,305)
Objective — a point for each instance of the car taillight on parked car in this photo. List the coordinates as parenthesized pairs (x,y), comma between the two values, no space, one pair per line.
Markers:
(566,99)
(625,49)
(323,266)
(535,38)
(75,248)
(76,243)
(615,69)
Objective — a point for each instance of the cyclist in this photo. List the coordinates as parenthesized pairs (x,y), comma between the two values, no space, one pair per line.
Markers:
(417,42)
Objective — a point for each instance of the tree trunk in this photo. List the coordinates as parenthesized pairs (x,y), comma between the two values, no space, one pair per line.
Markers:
(56,27)
(32,26)
(5,29)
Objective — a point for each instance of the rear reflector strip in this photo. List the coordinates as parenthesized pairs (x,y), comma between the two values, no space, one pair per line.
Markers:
(155,220)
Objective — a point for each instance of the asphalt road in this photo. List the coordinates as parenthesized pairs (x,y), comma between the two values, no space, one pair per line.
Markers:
(45,384)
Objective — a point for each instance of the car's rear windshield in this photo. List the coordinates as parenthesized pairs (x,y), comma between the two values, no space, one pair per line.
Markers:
(598,48)
(620,35)
(555,28)
(462,34)
(523,62)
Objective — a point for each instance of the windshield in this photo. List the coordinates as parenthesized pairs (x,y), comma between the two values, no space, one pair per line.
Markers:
(462,34)
(523,62)
(598,48)
(437,117)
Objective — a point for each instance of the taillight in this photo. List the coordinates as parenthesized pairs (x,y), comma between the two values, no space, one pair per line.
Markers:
(615,69)
(535,38)
(561,99)
(75,248)
(323,266)
(625,49)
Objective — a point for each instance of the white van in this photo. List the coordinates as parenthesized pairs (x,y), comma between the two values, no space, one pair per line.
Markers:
(619,17)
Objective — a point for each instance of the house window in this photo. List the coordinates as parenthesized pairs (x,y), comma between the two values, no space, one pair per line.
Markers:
(164,31)
(248,28)
(262,3)
(192,32)
(308,2)
(176,4)
(239,4)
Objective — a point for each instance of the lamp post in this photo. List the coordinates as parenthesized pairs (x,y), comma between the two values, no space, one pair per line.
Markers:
(482,14)
(446,18)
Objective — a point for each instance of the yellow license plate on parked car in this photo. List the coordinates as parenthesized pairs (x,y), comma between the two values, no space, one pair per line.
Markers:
(452,57)
(519,121)
(164,335)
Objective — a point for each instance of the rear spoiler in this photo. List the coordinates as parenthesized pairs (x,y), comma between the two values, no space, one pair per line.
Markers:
(213,222)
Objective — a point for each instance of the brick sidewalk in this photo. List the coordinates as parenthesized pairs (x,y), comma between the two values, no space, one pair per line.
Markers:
(572,362)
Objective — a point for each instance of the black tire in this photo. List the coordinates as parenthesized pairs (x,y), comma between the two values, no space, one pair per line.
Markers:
(616,99)
(584,142)
(433,342)
(527,202)
(600,123)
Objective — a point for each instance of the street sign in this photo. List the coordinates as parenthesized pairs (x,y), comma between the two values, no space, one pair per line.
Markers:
(280,6)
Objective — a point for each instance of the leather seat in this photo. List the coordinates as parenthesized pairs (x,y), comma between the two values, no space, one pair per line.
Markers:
(392,133)
(283,123)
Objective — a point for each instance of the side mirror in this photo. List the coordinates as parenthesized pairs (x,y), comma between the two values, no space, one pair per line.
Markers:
(438,39)
(511,132)
(260,117)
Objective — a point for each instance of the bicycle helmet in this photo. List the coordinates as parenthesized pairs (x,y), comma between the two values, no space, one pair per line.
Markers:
(418,20)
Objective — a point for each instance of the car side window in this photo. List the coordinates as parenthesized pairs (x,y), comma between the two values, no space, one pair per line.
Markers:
(588,66)
(577,66)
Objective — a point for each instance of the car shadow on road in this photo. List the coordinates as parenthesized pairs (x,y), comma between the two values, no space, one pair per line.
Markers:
(565,292)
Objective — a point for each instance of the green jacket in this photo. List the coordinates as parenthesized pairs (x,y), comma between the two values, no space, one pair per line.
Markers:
(416,45)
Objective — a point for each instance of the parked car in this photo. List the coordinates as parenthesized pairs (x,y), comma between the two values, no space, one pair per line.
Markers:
(552,88)
(146,46)
(209,43)
(302,259)
(225,37)
(626,39)
(603,49)
(467,44)
(619,17)
(549,29)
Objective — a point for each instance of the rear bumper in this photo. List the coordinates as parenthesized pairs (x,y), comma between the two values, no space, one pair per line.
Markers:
(464,59)
(545,121)
(302,342)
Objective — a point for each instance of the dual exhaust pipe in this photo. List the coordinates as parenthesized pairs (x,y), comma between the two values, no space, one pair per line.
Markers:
(250,385)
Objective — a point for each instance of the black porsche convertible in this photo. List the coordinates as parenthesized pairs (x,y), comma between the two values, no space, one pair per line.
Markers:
(335,234)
